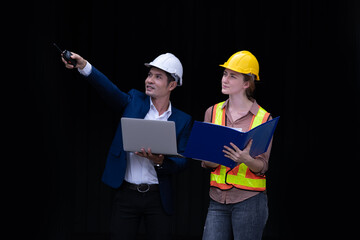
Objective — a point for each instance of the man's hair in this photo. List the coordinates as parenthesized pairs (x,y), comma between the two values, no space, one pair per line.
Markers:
(169,77)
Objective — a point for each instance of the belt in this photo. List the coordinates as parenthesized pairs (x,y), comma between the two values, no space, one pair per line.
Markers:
(142,188)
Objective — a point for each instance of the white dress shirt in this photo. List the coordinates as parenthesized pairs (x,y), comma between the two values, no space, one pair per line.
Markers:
(86,70)
(139,170)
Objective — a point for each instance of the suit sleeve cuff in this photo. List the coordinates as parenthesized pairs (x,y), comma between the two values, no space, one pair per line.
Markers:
(86,70)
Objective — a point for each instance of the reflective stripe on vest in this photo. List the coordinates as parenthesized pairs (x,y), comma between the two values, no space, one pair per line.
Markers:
(240,177)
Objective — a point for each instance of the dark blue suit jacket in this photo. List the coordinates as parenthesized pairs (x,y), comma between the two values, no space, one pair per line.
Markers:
(136,104)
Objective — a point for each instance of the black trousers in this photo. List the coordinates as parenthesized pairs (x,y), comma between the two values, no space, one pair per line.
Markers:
(131,207)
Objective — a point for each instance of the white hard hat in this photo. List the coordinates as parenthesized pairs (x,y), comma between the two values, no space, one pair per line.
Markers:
(168,63)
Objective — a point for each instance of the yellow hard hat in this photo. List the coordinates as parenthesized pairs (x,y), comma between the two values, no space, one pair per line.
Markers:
(243,62)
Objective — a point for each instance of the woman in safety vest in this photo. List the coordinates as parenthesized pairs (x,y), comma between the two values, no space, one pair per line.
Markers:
(238,202)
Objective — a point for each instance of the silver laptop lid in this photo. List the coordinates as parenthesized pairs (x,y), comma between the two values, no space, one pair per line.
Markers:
(160,136)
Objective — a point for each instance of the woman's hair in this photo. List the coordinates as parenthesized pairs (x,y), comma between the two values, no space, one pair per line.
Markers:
(250,90)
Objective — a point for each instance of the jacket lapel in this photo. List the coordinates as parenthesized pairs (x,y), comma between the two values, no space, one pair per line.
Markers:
(144,109)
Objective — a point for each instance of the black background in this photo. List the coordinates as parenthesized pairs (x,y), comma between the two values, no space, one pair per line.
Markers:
(309,69)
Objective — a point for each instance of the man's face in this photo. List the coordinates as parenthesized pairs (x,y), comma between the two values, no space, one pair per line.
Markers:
(156,84)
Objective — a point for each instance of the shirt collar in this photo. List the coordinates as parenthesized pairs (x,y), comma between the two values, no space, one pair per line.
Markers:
(253,109)
(167,112)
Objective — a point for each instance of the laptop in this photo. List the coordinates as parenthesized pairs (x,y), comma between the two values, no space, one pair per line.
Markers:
(159,136)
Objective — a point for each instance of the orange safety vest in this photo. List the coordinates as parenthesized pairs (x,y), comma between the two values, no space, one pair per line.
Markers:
(241,176)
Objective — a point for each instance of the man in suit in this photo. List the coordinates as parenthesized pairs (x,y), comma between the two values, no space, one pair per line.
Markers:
(142,180)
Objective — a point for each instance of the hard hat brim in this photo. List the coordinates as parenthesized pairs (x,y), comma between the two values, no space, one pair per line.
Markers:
(177,78)
(243,72)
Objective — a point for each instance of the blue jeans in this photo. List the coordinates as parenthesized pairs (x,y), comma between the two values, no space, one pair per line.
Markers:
(240,221)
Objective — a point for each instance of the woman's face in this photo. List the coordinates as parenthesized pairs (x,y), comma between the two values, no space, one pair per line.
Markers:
(233,83)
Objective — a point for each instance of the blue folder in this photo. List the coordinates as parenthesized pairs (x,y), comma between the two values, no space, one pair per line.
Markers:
(207,141)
